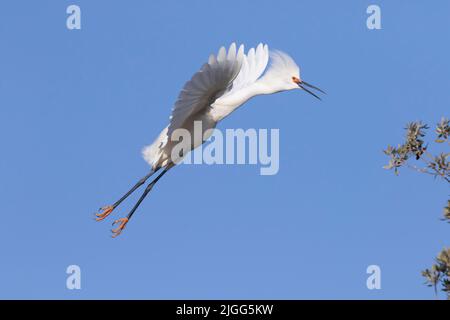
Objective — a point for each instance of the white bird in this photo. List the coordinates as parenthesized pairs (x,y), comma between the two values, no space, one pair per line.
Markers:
(223,84)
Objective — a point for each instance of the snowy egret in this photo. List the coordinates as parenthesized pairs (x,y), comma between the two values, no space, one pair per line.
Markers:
(222,84)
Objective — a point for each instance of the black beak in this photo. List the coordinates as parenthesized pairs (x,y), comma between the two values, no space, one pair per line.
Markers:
(302,85)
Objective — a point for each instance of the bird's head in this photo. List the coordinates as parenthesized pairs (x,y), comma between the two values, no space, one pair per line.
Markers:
(284,74)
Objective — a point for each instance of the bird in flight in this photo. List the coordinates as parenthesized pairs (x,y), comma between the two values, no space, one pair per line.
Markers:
(224,83)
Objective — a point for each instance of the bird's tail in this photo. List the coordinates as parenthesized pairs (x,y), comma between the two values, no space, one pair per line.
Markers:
(153,152)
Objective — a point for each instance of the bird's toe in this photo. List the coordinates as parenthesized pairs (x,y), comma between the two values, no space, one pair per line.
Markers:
(103,213)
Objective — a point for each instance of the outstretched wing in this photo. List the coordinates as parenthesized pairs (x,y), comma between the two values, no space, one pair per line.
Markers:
(210,82)
(253,65)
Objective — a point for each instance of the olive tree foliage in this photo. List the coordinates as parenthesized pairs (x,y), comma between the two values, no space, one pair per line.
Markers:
(416,154)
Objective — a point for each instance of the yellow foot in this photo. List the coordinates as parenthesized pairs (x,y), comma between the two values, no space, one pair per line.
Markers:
(118,230)
(104,212)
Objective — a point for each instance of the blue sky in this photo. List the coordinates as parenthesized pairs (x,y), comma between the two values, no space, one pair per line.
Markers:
(76,107)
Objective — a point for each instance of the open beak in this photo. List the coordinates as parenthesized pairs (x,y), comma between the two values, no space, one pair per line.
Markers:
(302,85)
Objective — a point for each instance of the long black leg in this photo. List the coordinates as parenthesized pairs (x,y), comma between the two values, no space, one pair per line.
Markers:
(124,221)
(105,211)
(137,185)
(146,191)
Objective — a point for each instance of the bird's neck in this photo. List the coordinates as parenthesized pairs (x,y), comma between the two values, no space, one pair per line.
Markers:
(228,103)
